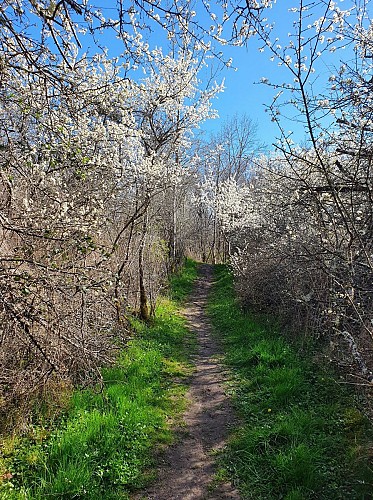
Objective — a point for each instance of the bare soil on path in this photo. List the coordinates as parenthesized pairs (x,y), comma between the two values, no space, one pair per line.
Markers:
(187,470)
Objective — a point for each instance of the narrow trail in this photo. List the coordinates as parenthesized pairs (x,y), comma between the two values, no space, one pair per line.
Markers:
(187,470)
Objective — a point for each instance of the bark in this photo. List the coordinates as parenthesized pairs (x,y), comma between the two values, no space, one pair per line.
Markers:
(144,307)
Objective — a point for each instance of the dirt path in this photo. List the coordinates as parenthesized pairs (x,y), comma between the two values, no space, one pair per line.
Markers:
(188,466)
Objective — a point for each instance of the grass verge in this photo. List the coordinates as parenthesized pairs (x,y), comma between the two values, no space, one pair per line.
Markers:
(301,435)
(105,441)
(181,283)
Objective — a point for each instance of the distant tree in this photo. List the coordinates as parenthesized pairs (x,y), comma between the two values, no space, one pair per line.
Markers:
(228,155)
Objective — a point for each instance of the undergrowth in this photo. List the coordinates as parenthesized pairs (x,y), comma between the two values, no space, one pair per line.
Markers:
(301,435)
(103,445)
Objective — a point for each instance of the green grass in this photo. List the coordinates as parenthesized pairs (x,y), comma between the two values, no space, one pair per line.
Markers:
(181,283)
(103,447)
(301,436)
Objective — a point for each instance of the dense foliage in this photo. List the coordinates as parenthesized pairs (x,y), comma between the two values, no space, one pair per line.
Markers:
(92,178)
(299,227)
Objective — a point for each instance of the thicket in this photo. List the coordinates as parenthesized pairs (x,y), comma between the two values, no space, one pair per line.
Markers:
(302,434)
(94,189)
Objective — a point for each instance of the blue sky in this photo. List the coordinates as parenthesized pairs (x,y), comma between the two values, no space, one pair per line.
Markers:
(244,93)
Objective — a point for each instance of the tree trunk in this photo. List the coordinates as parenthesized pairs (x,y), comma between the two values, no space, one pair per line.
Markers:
(144,307)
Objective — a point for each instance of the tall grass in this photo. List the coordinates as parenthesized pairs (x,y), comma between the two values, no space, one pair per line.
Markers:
(301,435)
(103,447)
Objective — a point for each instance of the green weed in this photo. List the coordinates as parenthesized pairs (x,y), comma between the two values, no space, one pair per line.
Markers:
(301,436)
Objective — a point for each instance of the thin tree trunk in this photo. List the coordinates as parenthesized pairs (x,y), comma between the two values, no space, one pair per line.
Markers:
(144,307)
(119,302)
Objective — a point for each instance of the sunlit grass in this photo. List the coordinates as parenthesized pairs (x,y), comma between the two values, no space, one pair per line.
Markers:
(104,445)
(300,431)
(181,284)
